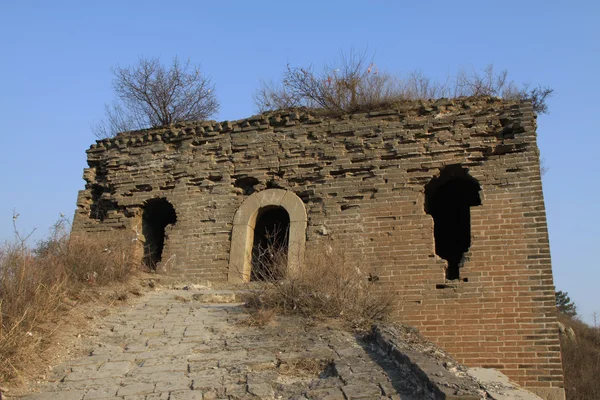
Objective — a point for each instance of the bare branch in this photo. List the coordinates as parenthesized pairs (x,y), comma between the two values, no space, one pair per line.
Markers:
(151,95)
(21,238)
(354,84)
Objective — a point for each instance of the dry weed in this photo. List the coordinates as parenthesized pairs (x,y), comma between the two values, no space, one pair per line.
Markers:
(258,318)
(39,285)
(354,83)
(120,296)
(182,299)
(306,367)
(329,284)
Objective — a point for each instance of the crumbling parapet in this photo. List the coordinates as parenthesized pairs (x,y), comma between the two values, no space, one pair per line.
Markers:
(363,181)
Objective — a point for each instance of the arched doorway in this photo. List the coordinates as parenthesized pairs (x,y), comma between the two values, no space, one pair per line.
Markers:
(270,244)
(268,236)
(448,199)
(157,215)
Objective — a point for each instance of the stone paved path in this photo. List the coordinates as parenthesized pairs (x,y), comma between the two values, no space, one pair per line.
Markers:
(164,348)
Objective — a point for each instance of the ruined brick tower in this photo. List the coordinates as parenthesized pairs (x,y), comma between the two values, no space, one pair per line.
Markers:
(443,197)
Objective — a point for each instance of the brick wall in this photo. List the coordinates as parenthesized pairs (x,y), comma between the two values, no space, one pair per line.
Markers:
(362,178)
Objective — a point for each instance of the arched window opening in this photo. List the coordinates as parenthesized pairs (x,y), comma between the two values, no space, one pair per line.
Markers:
(448,199)
(270,244)
(157,215)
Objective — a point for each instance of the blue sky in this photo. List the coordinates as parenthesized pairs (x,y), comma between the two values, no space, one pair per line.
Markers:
(55,79)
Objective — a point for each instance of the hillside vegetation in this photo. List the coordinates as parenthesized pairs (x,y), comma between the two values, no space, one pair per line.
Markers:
(580,344)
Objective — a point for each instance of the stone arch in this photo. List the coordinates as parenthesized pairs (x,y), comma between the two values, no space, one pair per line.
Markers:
(244,223)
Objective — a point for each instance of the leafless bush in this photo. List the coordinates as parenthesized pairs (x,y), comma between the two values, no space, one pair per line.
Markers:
(355,84)
(490,83)
(328,284)
(351,85)
(150,95)
(270,257)
(35,285)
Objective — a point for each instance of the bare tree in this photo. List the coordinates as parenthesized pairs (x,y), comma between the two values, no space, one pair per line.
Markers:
(150,95)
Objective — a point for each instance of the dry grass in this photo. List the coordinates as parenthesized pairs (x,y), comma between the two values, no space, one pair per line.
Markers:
(182,299)
(328,285)
(306,367)
(39,285)
(354,83)
(581,360)
(259,318)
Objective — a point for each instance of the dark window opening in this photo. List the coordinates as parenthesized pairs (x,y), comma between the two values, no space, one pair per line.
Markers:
(270,245)
(158,214)
(448,199)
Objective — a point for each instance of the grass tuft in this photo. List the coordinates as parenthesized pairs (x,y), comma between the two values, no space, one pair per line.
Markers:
(328,285)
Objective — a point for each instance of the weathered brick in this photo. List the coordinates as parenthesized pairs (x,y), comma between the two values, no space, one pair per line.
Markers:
(363,182)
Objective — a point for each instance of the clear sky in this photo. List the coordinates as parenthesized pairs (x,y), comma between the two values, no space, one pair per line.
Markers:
(55,60)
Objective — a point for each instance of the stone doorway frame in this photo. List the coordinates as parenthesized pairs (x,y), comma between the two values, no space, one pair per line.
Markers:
(244,221)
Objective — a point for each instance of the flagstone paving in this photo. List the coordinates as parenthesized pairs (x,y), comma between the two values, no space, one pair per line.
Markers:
(168,346)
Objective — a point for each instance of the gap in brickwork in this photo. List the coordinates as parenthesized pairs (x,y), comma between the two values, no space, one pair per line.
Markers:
(246,183)
(99,207)
(448,199)
(157,215)
(270,244)
(272,184)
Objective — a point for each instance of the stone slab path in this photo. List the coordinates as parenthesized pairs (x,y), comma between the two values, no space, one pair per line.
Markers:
(168,346)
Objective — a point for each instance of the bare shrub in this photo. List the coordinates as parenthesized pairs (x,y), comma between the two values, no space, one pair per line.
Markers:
(150,95)
(496,84)
(350,85)
(354,83)
(270,258)
(35,286)
(328,284)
